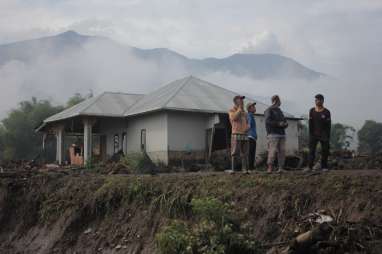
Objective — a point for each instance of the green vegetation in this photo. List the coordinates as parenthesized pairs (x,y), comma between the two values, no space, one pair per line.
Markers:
(138,163)
(18,139)
(370,137)
(341,136)
(175,238)
(17,133)
(214,232)
(77,98)
(133,161)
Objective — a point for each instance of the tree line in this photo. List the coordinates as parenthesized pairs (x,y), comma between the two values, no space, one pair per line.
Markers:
(18,138)
(19,141)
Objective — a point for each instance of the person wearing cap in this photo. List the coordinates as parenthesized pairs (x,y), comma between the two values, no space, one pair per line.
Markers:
(239,138)
(319,132)
(275,124)
(252,134)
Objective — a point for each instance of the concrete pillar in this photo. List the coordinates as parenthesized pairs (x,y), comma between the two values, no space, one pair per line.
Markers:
(60,144)
(88,134)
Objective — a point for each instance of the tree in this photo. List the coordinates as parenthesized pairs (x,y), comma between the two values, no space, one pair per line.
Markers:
(18,137)
(75,99)
(341,136)
(370,137)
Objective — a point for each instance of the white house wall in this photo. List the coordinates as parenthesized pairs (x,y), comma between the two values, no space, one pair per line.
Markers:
(172,131)
(111,127)
(187,131)
(155,125)
(291,133)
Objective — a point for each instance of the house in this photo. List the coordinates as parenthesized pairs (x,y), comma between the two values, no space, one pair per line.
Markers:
(185,119)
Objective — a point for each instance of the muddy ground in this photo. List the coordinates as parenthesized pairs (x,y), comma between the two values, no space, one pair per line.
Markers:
(81,212)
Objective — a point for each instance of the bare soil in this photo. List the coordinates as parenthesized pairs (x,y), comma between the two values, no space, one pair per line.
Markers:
(57,212)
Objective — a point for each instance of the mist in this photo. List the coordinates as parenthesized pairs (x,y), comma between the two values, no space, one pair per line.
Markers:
(100,66)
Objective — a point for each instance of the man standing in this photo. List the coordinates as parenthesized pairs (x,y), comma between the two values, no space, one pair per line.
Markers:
(239,139)
(252,134)
(319,132)
(275,124)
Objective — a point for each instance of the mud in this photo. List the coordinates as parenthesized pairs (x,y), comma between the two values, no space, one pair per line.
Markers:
(82,212)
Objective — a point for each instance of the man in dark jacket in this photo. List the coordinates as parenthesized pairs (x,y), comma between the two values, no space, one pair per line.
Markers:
(275,124)
(319,132)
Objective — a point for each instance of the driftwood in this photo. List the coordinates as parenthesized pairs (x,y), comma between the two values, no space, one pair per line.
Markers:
(304,243)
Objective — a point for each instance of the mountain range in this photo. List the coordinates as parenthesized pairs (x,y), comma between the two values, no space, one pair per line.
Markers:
(254,66)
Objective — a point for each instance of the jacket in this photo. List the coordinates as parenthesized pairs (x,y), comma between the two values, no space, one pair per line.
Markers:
(238,120)
(273,117)
(252,125)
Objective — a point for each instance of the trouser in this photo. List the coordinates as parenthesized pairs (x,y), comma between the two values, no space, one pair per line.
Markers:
(313,141)
(276,146)
(239,150)
(251,153)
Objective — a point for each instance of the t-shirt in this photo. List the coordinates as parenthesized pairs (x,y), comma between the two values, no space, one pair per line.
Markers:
(320,123)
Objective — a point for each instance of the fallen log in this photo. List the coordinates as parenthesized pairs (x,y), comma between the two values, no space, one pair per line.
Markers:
(304,243)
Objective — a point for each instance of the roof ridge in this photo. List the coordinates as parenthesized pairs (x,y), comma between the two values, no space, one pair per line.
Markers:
(227,90)
(211,84)
(91,104)
(123,93)
(187,79)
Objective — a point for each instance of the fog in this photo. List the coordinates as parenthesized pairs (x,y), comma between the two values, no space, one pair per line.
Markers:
(336,37)
(100,66)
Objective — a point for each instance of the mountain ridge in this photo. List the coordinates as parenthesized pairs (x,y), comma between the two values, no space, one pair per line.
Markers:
(254,66)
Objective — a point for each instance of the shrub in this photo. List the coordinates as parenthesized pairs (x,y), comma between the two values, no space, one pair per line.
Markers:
(174,239)
(213,232)
(138,163)
(210,209)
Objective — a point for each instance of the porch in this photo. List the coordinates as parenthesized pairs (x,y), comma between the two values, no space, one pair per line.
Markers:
(83,139)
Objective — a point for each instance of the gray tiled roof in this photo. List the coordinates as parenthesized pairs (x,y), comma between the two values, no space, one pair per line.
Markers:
(190,94)
(187,94)
(106,104)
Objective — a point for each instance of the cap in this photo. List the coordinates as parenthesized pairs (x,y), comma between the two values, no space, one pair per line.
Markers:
(238,97)
(249,104)
(319,97)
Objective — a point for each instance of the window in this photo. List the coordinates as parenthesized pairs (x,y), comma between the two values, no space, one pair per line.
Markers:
(116,143)
(143,139)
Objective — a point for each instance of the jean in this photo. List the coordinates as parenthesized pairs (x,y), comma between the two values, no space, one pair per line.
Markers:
(325,146)
(251,153)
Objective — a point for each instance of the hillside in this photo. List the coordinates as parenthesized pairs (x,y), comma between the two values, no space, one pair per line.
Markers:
(255,66)
(88,213)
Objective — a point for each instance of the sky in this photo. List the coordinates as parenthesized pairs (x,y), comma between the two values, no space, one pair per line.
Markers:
(339,37)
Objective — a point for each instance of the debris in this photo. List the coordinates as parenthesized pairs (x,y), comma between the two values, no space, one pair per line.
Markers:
(52,166)
(320,217)
(304,242)
(88,231)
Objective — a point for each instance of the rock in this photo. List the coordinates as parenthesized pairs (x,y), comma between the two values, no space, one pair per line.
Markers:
(88,231)
(118,247)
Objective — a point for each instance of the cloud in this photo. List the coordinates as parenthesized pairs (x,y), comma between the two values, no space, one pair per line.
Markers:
(264,42)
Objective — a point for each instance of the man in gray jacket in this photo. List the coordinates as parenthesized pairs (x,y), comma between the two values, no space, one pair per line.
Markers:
(275,124)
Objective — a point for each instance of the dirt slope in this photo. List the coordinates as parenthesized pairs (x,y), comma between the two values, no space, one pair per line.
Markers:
(89,213)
